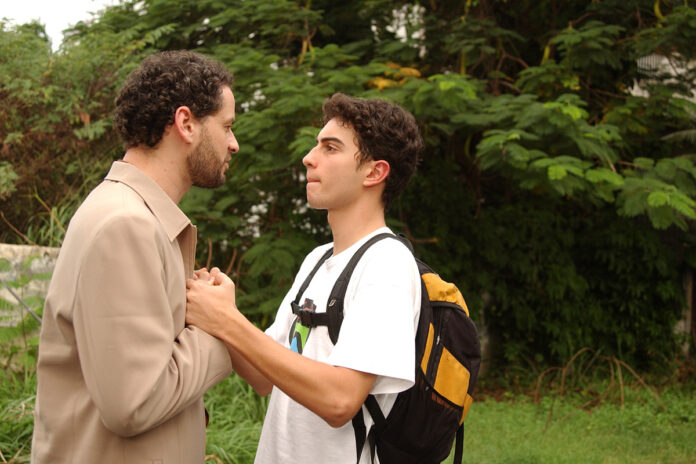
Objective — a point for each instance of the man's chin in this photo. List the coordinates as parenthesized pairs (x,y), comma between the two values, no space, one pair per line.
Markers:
(316,205)
(210,184)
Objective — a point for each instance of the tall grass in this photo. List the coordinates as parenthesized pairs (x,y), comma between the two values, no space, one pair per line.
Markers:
(17,394)
(513,429)
(236,416)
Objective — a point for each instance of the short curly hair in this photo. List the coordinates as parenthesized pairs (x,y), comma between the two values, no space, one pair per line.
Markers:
(384,131)
(163,82)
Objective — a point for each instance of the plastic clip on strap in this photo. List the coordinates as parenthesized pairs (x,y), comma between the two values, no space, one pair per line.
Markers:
(310,318)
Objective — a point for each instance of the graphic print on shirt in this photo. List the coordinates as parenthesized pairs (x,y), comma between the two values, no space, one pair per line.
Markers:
(298,332)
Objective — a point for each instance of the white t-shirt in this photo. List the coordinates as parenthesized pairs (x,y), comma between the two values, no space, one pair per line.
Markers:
(380,317)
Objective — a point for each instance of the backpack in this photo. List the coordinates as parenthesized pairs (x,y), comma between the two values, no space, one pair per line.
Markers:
(423,423)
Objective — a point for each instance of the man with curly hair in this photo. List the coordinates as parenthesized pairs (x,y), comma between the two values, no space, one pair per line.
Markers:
(365,154)
(120,376)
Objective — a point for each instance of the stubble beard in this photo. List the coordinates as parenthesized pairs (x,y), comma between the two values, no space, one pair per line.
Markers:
(204,166)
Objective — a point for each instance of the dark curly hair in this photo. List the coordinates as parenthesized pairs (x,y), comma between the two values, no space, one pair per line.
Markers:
(384,131)
(163,82)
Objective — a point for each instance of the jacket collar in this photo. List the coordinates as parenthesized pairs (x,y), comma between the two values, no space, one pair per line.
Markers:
(165,210)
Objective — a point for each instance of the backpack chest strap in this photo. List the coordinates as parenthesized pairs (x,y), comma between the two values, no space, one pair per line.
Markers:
(333,317)
(309,318)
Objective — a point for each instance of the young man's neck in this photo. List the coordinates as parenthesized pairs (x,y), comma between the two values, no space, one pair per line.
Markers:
(349,228)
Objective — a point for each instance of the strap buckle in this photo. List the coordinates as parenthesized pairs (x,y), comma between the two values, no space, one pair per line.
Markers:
(305,317)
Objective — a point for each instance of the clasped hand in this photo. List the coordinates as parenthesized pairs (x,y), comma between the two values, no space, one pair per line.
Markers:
(210,300)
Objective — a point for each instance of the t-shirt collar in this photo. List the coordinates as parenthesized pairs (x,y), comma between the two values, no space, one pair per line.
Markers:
(342,258)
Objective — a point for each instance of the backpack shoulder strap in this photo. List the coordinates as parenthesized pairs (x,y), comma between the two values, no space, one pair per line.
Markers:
(333,317)
(360,430)
(295,304)
(379,421)
(459,445)
(334,306)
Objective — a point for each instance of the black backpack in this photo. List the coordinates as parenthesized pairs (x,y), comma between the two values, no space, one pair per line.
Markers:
(423,423)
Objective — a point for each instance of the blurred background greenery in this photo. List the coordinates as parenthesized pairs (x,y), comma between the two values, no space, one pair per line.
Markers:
(557,190)
(557,187)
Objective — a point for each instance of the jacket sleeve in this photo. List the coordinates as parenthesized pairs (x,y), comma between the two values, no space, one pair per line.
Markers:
(139,372)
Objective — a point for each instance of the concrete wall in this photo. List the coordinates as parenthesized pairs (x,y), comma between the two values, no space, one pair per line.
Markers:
(28,261)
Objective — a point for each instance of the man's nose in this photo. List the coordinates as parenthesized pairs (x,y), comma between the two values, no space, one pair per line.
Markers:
(308,159)
(233,146)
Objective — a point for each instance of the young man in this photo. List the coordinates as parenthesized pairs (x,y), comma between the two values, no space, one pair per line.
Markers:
(365,154)
(120,377)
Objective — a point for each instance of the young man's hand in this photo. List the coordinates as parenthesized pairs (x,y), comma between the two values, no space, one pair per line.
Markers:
(210,300)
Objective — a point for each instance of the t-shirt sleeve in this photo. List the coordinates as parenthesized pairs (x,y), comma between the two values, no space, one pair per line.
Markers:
(381,311)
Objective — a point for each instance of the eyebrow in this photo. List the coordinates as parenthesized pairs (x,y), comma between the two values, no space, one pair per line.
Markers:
(231,121)
(331,139)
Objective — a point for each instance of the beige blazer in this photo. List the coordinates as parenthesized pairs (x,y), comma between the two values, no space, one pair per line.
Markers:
(120,377)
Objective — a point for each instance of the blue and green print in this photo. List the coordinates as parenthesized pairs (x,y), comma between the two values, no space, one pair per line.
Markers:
(298,332)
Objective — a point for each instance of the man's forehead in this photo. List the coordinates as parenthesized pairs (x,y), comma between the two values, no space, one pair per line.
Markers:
(228,95)
(227,111)
(336,128)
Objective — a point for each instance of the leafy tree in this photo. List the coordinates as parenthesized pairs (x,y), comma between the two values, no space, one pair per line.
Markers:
(56,124)
(558,183)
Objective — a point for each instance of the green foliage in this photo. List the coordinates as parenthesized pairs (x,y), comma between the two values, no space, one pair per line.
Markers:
(17,395)
(19,335)
(18,355)
(557,186)
(8,177)
(56,123)
(590,45)
(236,417)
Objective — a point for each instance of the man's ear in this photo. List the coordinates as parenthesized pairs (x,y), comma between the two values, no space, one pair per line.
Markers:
(377,174)
(184,124)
